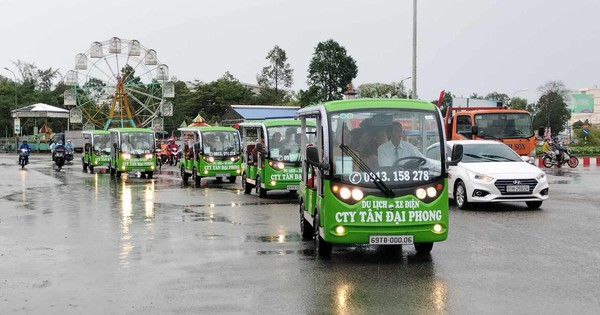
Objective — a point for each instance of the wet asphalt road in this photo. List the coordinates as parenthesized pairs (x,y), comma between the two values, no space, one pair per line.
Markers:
(75,243)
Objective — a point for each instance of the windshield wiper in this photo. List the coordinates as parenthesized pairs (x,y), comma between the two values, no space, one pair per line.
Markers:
(494,157)
(365,168)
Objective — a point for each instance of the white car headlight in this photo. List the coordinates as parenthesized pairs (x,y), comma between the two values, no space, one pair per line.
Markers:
(541,177)
(480,177)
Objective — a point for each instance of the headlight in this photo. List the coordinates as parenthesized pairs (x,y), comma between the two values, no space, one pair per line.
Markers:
(209,159)
(149,156)
(421,193)
(480,177)
(277,165)
(126,156)
(541,177)
(431,192)
(345,193)
(357,194)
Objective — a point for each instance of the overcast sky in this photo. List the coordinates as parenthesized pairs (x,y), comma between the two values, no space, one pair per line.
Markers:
(464,46)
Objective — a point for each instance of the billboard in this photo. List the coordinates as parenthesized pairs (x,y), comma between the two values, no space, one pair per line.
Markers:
(581,103)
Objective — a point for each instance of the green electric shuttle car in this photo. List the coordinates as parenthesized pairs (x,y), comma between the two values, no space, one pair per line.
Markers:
(210,152)
(132,149)
(377,174)
(96,149)
(272,155)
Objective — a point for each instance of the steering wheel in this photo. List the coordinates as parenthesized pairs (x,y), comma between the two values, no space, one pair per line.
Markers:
(420,161)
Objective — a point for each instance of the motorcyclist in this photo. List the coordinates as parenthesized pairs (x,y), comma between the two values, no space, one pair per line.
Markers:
(164,152)
(547,147)
(70,149)
(558,149)
(69,146)
(59,146)
(171,148)
(25,146)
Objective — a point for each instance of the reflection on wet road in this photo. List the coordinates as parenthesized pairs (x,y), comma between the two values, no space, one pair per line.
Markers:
(74,242)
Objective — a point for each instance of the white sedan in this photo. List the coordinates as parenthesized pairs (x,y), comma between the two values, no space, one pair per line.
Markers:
(490,171)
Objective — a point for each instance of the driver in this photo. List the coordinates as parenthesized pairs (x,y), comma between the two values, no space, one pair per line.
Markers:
(394,149)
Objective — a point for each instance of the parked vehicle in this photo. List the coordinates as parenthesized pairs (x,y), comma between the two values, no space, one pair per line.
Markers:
(491,172)
(96,150)
(210,151)
(551,159)
(272,155)
(132,149)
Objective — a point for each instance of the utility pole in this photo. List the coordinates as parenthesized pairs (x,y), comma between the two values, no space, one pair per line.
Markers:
(414,61)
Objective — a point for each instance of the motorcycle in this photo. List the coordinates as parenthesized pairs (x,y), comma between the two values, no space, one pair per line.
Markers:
(159,159)
(59,157)
(174,156)
(69,154)
(551,158)
(23,157)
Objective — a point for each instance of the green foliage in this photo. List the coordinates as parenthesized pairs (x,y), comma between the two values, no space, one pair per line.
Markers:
(551,112)
(211,100)
(592,139)
(329,73)
(518,103)
(446,102)
(275,76)
(383,90)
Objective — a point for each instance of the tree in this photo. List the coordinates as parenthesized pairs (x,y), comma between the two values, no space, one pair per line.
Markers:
(551,111)
(382,90)
(213,99)
(518,103)
(501,97)
(329,73)
(275,76)
(446,101)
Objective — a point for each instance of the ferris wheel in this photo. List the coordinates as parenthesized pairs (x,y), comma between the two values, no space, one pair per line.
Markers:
(119,83)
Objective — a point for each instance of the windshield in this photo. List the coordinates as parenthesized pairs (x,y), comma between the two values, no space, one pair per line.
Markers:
(102,143)
(391,143)
(284,142)
(221,143)
(137,142)
(488,152)
(504,125)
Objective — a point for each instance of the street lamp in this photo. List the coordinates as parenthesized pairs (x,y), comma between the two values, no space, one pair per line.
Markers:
(521,90)
(402,85)
(5,68)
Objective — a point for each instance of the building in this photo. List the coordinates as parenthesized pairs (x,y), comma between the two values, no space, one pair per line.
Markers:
(240,113)
(593,117)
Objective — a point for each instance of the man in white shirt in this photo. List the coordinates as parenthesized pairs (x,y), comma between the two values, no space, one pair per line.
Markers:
(394,149)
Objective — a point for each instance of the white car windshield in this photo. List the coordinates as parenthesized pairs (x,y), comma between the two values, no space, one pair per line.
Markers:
(488,152)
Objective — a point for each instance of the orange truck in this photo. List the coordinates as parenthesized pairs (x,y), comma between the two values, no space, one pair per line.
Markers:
(490,120)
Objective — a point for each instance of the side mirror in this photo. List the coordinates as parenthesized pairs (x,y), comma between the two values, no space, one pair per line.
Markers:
(475,130)
(457,154)
(312,156)
(541,132)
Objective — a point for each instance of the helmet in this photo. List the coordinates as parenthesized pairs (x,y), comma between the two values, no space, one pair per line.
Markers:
(69,140)
(24,141)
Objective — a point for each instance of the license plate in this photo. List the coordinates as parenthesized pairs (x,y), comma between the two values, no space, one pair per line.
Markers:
(292,187)
(222,175)
(391,239)
(517,188)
